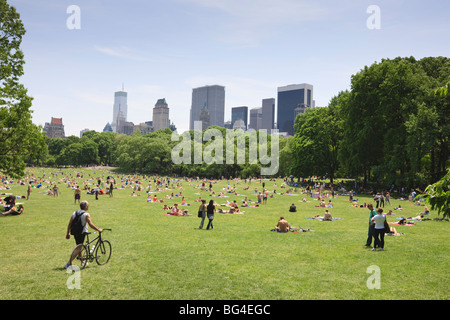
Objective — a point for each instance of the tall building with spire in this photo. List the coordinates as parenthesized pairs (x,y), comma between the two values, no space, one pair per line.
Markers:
(204,117)
(120,110)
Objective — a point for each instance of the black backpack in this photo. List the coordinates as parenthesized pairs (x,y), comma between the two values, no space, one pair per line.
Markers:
(77,227)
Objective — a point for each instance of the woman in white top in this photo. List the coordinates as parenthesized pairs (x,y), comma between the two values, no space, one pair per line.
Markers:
(379,231)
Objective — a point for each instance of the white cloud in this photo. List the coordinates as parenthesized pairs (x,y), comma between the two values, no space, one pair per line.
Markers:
(127,53)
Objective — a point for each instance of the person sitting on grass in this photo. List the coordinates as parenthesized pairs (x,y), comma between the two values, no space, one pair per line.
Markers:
(322,204)
(9,202)
(234,207)
(175,210)
(282,225)
(327,216)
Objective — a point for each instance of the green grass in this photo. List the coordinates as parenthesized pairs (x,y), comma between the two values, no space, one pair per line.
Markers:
(165,257)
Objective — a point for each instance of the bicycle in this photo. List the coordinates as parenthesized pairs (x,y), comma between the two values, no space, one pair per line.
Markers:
(100,251)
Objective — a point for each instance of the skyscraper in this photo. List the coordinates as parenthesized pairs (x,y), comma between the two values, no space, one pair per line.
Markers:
(160,115)
(120,106)
(289,98)
(211,98)
(268,115)
(255,118)
(239,113)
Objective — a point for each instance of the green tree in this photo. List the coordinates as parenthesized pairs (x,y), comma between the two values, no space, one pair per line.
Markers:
(287,160)
(144,154)
(20,139)
(422,132)
(382,99)
(317,139)
(56,145)
(438,196)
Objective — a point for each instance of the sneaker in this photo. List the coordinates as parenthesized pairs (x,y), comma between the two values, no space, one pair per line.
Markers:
(67,265)
(382,249)
(374,249)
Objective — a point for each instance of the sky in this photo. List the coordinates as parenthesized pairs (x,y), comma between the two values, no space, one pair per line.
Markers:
(164,48)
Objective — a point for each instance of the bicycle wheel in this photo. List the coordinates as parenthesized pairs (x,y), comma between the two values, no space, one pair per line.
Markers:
(103,252)
(79,256)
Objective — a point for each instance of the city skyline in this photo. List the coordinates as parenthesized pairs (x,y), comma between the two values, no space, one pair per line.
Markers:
(249,47)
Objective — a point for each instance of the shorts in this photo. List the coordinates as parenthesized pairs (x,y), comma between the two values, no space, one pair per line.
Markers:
(79,238)
(77,196)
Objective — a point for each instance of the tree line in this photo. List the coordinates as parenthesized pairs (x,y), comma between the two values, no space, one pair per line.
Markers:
(148,154)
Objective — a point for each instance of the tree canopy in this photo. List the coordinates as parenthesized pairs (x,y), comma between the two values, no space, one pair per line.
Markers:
(20,140)
(392,127)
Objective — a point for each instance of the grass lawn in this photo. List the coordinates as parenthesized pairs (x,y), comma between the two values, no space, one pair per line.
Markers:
(168,258)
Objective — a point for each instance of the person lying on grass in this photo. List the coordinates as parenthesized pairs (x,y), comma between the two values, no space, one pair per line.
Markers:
(393,232)
(327,217)
(14,211)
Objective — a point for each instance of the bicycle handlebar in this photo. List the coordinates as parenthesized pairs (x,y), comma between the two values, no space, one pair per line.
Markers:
(96,231)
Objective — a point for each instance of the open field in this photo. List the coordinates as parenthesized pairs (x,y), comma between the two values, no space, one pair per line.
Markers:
(162,257)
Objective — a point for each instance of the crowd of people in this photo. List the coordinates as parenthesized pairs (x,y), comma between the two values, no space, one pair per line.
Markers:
(176,204)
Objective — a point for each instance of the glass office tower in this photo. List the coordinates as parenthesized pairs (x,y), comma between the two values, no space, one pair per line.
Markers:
(239,113)
(289,98)
(211,98)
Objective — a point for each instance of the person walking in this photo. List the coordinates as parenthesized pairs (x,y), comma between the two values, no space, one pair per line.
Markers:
(79,217)
(202,213)
(210,214)
(379,229)
(382,200)
(371,226)
(77,194)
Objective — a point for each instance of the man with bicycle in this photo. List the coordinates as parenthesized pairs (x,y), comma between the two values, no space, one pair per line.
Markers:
(78,228)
